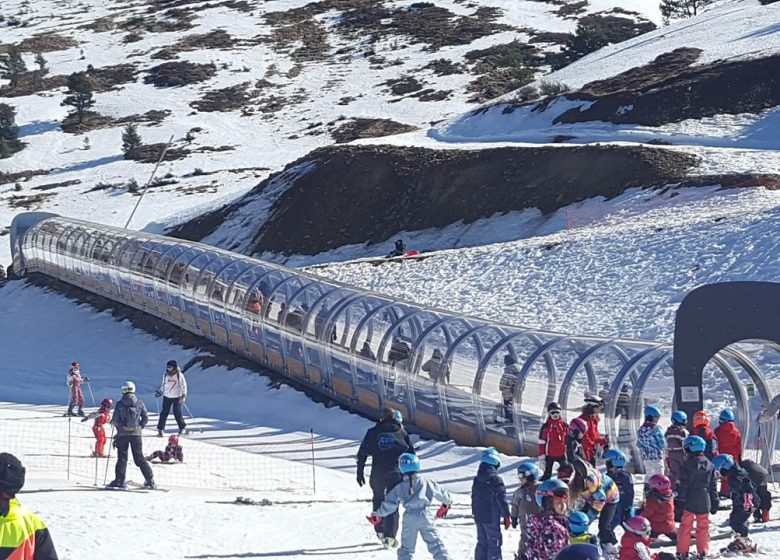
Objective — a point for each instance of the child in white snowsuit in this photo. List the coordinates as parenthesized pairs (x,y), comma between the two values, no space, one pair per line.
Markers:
(417,496)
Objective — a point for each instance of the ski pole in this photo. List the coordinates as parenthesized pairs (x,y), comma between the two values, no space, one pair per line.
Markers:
(108,457)
(91,394)
(188,410)
(157,403)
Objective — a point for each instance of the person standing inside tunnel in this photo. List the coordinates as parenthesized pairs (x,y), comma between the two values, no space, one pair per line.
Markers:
(384,443)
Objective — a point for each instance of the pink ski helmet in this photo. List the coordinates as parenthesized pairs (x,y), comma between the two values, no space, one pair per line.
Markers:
(638,525)
(578,425)
(661,484)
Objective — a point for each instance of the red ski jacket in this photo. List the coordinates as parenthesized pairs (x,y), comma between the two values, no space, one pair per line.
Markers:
(592,436)
(729,440)
(660,513)
(552,438)
(634,547)
(103,417)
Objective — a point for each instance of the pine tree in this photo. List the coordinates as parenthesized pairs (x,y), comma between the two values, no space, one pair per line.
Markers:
(679,9)
(12,65)
(131,140)
(9,132)
(40,61)
(587,39)
(79,93)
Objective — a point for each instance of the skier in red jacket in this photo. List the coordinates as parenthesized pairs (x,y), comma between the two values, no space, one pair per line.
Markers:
(590,414)
(729,441)
(701,428)
(552,440)
(101,416)
(658,507)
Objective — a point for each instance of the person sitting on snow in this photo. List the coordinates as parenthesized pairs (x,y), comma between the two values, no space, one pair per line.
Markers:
(398,251)
(172,452)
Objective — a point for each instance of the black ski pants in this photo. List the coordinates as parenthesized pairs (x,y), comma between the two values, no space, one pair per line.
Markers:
(738,522)
(135,444)
(381,483)
(548,465)
(166,408)
(606,534)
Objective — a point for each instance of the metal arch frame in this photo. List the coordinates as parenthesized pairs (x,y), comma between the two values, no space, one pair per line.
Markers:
(370,314)
(552,371)
(442,322)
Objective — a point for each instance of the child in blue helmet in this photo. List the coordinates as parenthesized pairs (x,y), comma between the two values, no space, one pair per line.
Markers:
(675,454)
(417,494)
(524,501)
(651,442)
(744,500)
(548,533)
(579,525)
(616,465)
(489,506)
(699,498)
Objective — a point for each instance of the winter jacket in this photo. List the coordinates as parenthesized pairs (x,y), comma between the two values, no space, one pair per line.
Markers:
(438,372)
(130,416)
(24,536)
(385,442)
(697,490)
(708,436)
(651,442)
(174,386)
(552,438)
(729,440)
(675,436)
(101,416)
(599,490)
(488,496)
(659,510)
(634,547)
(508,381)
(417,494)
(574,450)
(743,491)
(758,474)
(592,436)
(523,505)
(74,378)
(174,452)
(625,485)
(547,535)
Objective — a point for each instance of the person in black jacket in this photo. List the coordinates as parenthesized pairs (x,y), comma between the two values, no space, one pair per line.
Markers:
(743,500)
(760,477)
(385,442)
(698,496)
(489,506)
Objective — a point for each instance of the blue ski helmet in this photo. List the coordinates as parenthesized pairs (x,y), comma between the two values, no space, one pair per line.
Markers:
(578,523)
(551,488)
(616,457)
(726,415)
(652,411)
(491,457)
(408,463)
(528,471)
(723,462)
(694,444)
(679,417)
(398,417)
(580,551)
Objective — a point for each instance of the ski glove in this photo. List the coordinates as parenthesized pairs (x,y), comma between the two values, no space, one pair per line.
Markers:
(442,511)
(507,522)
(158,393)
(514,523)
(361,480)
(85,379)
(713,509)
(374,519)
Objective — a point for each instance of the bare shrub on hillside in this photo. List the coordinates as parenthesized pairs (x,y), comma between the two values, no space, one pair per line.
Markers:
(175,74)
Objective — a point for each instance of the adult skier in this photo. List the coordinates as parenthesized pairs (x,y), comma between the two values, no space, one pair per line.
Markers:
(489,506)
(507,385)
(385,443)
(76,398)
(173,390)
(130,418)
(552,440)
(593,438)
(102,416)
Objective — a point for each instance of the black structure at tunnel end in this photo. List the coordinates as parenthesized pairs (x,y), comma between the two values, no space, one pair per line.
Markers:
(711,318)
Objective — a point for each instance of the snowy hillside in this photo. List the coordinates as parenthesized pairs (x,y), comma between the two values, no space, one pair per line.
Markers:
(246,88)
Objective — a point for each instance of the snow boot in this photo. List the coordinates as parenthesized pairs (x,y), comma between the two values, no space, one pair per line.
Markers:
(150,484)
(389,542)
(93,455)
(740,545)
(80,412)
(159,433)
(117,484)
(765,515)
(70,412)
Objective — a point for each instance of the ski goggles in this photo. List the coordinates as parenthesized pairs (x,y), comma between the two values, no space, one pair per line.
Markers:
(555,413)
(555,493)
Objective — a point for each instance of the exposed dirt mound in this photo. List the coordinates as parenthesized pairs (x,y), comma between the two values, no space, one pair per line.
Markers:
(376,191)
(47,42)
(107,78)
(367,128)
(670,90)
(150,153)
(230,98)
(174,74)
(32,82)
(217,39)
(94,121)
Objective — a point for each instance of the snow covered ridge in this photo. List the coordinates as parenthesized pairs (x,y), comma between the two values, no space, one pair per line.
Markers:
(709,80)
(245,89)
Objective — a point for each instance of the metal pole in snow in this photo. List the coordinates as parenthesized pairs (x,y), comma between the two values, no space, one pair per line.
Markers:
(68,470)
(313,469)
(108,458)
(91,394)
(149,182)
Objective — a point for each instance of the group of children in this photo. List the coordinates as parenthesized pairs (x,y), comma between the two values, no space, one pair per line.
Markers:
(554,514)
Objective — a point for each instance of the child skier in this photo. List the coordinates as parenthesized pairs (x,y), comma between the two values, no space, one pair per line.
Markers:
(601,497)
(547,532)
(651,442)
(699,498)
(552,440)
(172,452)
(701,428)
(730,442)
(675,453)
(579,524)
(417,494)
(658,507)
(74,381)
(102,416)
(574,441)
(743,501)
(489,507)
(616,464)
(524,501)
(636,539)
(760,477)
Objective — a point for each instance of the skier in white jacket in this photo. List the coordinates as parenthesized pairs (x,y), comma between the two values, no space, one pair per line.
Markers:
(173,390)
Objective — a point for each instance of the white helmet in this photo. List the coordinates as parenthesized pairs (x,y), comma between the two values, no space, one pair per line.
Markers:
(128,387)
